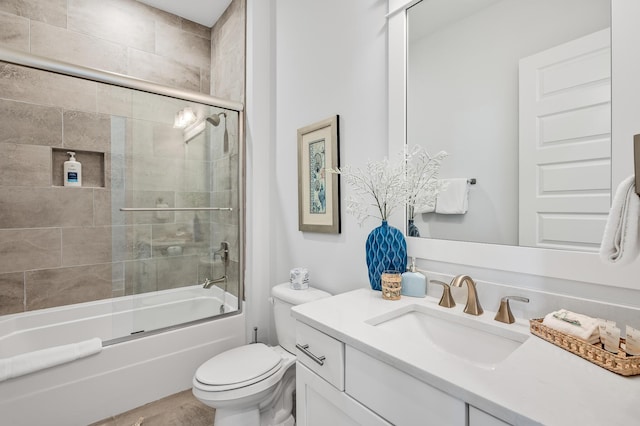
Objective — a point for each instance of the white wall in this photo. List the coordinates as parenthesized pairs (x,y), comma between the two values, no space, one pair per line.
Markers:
(330,58)
(308,60)
(463,98)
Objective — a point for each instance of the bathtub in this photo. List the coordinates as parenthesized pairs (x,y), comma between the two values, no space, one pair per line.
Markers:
(141,359)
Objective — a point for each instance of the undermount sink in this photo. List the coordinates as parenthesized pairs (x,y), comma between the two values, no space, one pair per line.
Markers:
(469,338)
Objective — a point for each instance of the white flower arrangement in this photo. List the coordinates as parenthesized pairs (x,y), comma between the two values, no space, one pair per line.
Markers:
(423,184)
(382,186)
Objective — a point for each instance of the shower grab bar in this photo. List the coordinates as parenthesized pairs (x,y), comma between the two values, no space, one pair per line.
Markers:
(173,209)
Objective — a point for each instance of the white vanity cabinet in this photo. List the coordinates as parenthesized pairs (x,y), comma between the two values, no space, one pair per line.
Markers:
(320,396)
(398,397)
(480,418)
(338,385)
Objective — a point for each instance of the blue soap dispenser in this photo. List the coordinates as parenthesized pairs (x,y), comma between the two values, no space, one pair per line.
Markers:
(414,284)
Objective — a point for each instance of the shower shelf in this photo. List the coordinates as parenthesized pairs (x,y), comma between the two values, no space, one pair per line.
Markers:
(173,209)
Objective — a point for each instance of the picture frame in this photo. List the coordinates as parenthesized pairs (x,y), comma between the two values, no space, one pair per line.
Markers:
(319,191)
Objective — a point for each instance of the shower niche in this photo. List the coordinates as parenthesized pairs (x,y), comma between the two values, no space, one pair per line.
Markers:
(93,167)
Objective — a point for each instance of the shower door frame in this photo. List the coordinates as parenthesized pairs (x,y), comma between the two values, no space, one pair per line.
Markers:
(72,70)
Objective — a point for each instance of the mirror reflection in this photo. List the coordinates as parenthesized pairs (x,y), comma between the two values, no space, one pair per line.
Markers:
(518,93)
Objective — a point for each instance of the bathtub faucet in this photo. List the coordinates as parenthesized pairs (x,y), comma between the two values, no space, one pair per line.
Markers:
(208,283)
(223,252)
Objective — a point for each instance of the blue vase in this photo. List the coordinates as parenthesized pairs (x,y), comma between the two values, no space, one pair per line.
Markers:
(386,250)
(413,230)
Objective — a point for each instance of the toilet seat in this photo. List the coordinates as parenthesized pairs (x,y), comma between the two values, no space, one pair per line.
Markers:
(239,367)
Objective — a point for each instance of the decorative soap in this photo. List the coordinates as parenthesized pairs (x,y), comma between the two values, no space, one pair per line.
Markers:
(414,284)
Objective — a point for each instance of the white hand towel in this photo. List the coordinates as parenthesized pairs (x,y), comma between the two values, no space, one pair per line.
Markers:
(620,239)
(454,198)
(426,209)
(30,362)
(577,325)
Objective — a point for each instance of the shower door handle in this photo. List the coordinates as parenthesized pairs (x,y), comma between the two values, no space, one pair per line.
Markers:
(305,350)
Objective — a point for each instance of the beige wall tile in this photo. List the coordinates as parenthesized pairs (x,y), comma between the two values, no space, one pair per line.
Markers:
(45,88)
(76,48)
(150,174)
(116,21)
(25,165)
(11,293)
(65,286)
(166,141)
(53,12)
(131,242)
(23,249)
(228,53)
(157,14)
(205,80)
(14,32)
(87,245)
(195,28)
(114,100)
(179,271)
(102,212)
(185,47)
(87,131)
(140,276)
(182,59)
(29,124)
(45,207)
(163,70)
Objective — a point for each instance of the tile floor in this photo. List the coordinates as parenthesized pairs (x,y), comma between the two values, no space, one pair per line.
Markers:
(175,410)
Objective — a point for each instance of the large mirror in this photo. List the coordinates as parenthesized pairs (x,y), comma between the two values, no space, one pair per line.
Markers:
(518,93)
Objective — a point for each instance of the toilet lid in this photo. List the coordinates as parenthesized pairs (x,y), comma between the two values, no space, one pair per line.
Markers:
(249,363)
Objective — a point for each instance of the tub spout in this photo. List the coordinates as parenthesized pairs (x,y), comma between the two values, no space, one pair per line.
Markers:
(208,283)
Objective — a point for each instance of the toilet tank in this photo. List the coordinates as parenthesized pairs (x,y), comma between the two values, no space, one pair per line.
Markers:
(284,298)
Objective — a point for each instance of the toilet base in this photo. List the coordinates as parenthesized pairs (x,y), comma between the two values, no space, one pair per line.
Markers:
(273,406)
(277,410)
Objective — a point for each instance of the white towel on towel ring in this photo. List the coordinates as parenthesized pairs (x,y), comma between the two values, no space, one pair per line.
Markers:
(30,362)
(454,198)
(620,241)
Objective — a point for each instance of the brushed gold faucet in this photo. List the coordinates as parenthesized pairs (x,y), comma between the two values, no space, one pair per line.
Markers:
(473,303)
(504,313)
(446,300)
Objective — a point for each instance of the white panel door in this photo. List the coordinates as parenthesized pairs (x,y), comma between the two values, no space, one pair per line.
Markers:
(565,144)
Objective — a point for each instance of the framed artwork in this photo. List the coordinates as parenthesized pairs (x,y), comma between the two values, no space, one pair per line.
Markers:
(318,191)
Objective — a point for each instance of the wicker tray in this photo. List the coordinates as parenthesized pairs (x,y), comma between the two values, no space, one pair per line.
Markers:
(619,363)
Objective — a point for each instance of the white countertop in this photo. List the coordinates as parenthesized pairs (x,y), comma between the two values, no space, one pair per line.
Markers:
(538,383)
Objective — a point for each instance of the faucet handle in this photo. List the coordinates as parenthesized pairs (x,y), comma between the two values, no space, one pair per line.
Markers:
(446,300)
(504,313)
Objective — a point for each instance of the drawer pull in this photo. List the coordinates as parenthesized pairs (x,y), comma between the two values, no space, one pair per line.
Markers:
(305,350)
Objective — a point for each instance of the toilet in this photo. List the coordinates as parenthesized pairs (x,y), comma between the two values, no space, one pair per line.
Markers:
(252,385)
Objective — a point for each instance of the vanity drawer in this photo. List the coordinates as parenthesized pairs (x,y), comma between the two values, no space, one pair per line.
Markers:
(321,353)
(398,397)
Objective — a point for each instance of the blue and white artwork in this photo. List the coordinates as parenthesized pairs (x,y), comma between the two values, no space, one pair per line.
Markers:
(317,178)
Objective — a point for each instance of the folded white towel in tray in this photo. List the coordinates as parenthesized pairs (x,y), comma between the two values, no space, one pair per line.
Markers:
(573,324)
(620,240)
(30,362)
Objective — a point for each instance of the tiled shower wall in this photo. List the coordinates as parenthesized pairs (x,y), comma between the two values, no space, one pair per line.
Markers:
(66,245)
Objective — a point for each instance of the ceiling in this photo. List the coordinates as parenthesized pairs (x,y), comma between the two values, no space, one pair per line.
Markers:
(204,12)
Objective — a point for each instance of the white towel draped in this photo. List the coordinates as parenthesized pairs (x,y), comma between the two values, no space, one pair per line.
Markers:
(454,199)
(30,362)
(620,240)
